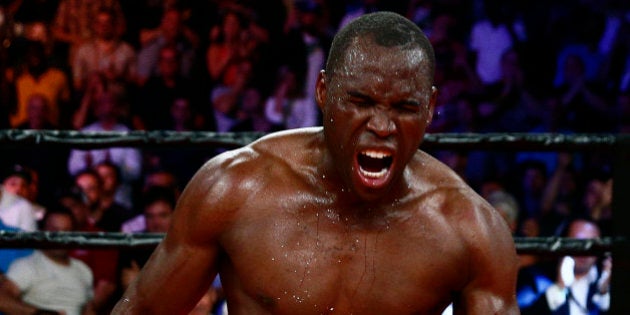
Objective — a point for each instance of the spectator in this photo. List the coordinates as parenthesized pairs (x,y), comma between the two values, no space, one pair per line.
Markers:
(507,205)
(581,287)
(586,23)
(491,37)
(8,255)
(45,172)
(227,98)
(143,16)
(50,279)
(104,214)
(162,178)
(10,305)
(26,21)
(534,278)
(531,185)
(17,211)
(237,37)
(113,191)
(613,45)
(561,196)
(17,181)
(158,204)
(156,96)
(104,52)
(102,262)
(73,20)
(289,106)
(129,160)
(154,178)
(511,107)
(252,113)
(227,46)
(180,119)
(307,42)
(38,114)
(170,34)
(150,28)
(23,181)
(33,189)
(39,78)
(597,202)
(451,53)
(96,86)
(580,102)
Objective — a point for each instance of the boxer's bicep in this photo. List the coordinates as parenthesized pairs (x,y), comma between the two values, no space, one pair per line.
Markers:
(184,264)
(493,268)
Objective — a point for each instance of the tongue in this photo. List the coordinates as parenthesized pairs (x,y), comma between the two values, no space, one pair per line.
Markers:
(371,164)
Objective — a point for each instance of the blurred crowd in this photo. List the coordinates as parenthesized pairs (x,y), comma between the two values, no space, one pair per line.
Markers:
(560,66)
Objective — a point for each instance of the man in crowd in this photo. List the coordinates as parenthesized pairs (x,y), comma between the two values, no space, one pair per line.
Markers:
(49,281)
(582,285)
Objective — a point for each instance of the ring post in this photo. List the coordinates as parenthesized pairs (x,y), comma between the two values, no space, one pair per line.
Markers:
(619,303)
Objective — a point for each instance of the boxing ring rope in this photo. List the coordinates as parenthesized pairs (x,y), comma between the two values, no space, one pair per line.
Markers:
(616,144)
(459,141)
(556,246)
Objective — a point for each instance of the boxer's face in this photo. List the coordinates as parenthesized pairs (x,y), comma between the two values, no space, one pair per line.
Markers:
(376,109)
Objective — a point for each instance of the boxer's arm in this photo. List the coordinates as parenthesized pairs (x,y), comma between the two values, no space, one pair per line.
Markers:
(493,267)
(183,266)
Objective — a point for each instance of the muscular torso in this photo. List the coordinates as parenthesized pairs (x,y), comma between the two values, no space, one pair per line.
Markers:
(296,247)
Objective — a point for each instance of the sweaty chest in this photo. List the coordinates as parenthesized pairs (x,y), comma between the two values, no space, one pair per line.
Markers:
(312,263)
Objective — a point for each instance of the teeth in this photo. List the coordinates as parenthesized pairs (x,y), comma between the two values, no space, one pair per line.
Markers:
(374,174)
(376,154)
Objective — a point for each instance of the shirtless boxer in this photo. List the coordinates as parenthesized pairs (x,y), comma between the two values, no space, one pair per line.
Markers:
(350,218)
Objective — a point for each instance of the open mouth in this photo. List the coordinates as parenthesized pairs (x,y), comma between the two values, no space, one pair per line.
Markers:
(374,164)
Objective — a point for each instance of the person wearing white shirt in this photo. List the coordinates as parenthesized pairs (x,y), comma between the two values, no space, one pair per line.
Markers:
(49,280)
(17,212)
(289,107)
(128,160)
(581,287)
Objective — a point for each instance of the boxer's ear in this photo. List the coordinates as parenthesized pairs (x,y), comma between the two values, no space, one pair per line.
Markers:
(320,90)
(432,101)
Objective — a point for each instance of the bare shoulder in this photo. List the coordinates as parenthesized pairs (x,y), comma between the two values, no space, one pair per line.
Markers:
(213,196)
(288,143)
(248,162)
(221,188)
(484,241)
(463,208)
